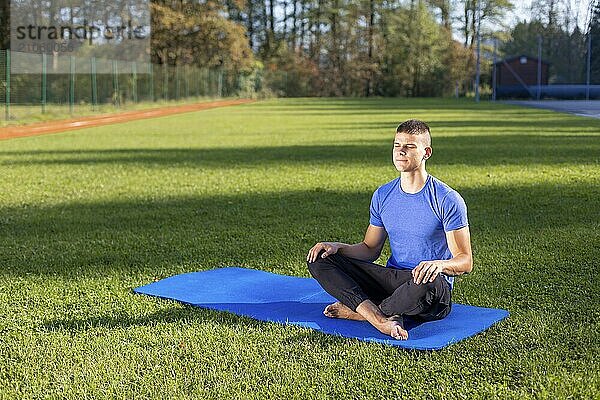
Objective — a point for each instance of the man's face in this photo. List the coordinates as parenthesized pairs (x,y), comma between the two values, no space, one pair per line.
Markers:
(409,152)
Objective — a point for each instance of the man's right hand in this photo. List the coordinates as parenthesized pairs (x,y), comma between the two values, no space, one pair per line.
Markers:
(329,247)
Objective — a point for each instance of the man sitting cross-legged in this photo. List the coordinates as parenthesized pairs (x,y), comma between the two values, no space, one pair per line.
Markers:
(426,222)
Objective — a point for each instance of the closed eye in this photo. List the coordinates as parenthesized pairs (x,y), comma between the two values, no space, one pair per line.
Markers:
(408,146)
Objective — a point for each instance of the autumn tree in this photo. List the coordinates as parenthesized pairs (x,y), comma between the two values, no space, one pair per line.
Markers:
(198,34)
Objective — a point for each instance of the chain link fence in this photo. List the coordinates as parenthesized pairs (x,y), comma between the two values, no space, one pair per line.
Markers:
(65,85)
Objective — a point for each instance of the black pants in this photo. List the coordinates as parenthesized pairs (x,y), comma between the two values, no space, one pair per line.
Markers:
(353,281)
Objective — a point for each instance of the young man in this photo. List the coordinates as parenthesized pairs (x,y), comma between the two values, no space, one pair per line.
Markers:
(426,222)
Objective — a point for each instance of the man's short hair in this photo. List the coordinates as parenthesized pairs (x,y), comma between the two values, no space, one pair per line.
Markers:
(415,127)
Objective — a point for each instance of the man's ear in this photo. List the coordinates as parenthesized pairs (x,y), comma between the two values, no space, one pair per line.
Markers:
(428,151)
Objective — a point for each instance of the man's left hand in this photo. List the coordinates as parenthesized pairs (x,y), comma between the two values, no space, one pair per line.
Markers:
(427,271)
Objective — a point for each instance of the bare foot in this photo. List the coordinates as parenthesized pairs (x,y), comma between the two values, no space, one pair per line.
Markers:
(387,325)
(339,310)
(395,330)
(396,327)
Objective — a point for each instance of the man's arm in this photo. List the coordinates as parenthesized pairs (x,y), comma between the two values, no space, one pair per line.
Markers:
(459,243)
(367,250)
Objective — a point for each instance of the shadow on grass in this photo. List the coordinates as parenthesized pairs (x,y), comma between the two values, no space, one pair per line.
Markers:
(514,227)
(187,314)
(527,123)
(475,150)
(288,313)
(325,105)
(154,235)
(181,313)
(255,230)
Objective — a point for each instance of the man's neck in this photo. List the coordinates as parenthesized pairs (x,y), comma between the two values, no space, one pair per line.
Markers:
(413,181)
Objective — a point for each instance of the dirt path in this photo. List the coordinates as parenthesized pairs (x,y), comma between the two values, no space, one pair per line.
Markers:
(105,119)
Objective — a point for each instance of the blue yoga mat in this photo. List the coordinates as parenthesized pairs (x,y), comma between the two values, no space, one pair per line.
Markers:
(300,301)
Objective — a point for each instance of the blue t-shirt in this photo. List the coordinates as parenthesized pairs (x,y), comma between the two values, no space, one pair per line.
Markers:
(417,223)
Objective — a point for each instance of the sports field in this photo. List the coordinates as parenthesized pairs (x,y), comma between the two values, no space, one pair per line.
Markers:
(87,215)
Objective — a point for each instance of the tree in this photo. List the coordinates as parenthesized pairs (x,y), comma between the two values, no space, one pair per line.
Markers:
(198,34)
(564,51)
(491,10)
(444,8)
(418,49)
(358,47)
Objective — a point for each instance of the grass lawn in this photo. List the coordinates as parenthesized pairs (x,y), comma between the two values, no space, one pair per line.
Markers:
(87,215)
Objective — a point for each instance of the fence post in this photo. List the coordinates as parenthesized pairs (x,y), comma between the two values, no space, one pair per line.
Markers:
(186,73)
(494,71)
(151,74)
(134,83)
(589,61)
(71,84)
(478,63)
(44,66)
(165,82)
(220,83)
(94,83)
(116,94)
(176,81)
(539,68)
(197,75)
(7,93)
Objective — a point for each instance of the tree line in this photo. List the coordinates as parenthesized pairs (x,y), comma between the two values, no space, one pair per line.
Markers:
(361,47)
(330,47)
(380,47)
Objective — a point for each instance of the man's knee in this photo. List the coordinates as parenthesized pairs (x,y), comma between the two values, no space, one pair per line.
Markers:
(438,291)
(429,292)
(320,264)
(316,266)
(439,298)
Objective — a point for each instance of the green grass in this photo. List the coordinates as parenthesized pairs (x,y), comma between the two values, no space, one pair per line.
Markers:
(87,215)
